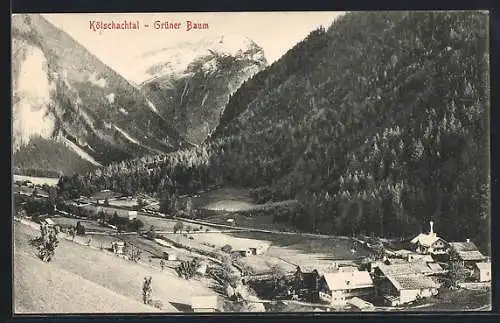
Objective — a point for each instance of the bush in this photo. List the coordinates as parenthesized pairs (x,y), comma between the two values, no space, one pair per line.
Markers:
(80,229)
(45,244)
(178,227)
(187,269)
(147,290)
(133,253)
(227,248)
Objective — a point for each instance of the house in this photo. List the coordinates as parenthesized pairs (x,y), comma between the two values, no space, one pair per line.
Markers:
(347,269)
(402,289)
(49,222)
(132,215)
(415,268)
(205,304)
(466,253)
(415,257)
(169,255)
(337,287)
(361,304)
(403,283)
(152,208)
(202,270)
(243,253)
(306,285)
(482,272)
(430,243)
(118,247)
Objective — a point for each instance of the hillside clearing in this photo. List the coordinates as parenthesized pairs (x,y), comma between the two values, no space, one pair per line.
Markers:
(116,274)
(46,288)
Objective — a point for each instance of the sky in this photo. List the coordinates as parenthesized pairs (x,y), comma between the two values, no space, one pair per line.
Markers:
(275,32)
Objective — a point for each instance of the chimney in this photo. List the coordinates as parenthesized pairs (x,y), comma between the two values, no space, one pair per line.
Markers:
(432,228)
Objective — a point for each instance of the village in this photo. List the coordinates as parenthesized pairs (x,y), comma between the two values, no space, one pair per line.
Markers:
(369,274)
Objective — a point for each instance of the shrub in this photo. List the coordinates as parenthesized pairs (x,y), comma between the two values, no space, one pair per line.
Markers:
(227,248)
(147,290)
(178,226)
(133,253)
(45,244)
(80,229)
(187,269)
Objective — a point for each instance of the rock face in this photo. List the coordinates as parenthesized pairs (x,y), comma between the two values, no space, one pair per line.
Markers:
(65,96)
(191,83)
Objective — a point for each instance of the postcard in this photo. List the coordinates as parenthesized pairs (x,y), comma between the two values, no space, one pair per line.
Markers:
(251,162)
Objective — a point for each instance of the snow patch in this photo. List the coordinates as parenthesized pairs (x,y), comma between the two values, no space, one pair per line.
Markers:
(111,98)
(97,81)
(80,152)
(151,106)
(32,93)
(126,135)
(174,60)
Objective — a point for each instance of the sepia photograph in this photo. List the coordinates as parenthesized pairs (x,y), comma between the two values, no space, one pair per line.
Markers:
(210,162)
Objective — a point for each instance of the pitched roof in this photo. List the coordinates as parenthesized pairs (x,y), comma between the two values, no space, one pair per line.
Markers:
(463,246)
(396,261)
(426,239)
(361,304)
(471,255)
(348,269)
(348,280)
(412,282)
(484,266)
(435,266)
(467,251)
(211,301)
(412,268)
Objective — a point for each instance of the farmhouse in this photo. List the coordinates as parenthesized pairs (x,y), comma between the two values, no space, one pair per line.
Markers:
(205,304)
(306,285)
(49,222)
(361,304)
(466,253)
(152,208)
(242,253)
(404,283)
(401,289)
(482,272)
(118,247)
(415,268)
(336,288)
(132,215)
(430,243)
(167,255)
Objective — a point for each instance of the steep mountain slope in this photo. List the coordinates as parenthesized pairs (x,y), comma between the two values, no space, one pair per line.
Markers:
(376,125)
(191,83)
(62,93)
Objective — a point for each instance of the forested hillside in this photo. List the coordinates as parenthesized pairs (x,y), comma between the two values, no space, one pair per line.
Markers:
(376,125)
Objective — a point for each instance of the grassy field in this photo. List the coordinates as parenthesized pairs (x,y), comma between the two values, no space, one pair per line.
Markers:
(159,224)
(101,268)
(37,180)
(264,222)
(88,224)
(308,252)
(234,197)
(127,203)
